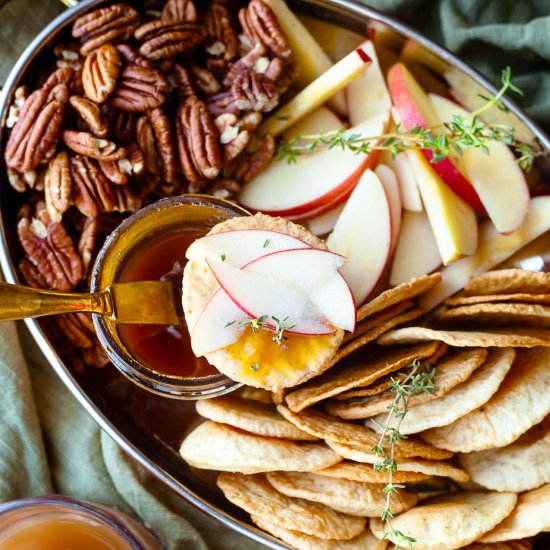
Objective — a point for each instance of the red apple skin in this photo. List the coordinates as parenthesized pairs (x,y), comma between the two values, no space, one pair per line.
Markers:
(411,115)
(329,200)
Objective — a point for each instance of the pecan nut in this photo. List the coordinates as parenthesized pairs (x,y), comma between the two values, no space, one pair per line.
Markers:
(248,165)
(261,26)
(68,57)
(100,73)
(93,192)
(116,171)
(232,139)
(221,43)
(88,145)
(182,81)
(90,113)
(87,242)
(122,125)
(77,330)
(22,182)
(165,146)
(30,273)
(139,89)
(59,76)
(255,57)
(127,199)
(36,131)
(254,92)
(57,186)
(179,10)
(205,80)
(221,103)
(109,25)
(198,146)
(19,97)
(95,356)
(224,188)
(166,39)
(50,250)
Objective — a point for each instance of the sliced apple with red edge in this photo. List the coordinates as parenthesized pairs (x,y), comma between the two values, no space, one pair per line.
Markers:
(391,187)
(494,248)
(316,182)
(368,95)
(324,223)
(408,188)
(218,325)
(315,272)
(416,110)
(239,247)
(416,252)
(321,119)
(363,235)
(453,222)
(496,176)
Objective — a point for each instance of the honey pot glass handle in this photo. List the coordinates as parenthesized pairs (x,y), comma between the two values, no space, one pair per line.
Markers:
(23,302)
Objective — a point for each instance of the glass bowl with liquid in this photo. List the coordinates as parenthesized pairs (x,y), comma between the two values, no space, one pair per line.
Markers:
(150,246)
(56,522)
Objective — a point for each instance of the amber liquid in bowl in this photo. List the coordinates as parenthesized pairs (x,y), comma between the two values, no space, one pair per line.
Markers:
(166,350)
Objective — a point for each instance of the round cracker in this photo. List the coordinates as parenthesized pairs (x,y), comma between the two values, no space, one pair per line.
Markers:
(450,372)
(420,465)
(349,497)
(525,544)
(258,497)
(520,402)
(508,281)
(308,357)
(525,298)
(499,338)
(502,313)
(519,467)
(450,521)
(530,517)
(251,416)
(365,541)
(328,427)
(355,471)
(213,446)
(461,400)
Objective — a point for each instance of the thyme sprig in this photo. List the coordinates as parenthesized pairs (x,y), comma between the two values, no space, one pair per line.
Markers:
(263,322)
(420,378)
(462,133)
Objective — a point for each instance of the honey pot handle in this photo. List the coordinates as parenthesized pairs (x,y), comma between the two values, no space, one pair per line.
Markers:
(23,302)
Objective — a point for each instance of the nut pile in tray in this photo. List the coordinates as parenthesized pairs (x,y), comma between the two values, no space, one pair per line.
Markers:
(472,468)
(140,106)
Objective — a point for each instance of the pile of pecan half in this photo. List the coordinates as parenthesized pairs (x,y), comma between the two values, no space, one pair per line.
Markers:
(140,106)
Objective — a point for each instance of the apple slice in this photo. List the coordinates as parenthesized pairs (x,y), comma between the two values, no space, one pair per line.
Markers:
(391,187)
(498,180)
(318,92)
(493,249)
(315,183)
(258,296)
(315,272)
(363,235)
(323,224)
(321,119)
(415,109)
(240,247)
(218,325)
(453,222)
(368,95)
(310,57)
(408,187)
(416,253)
(337,41)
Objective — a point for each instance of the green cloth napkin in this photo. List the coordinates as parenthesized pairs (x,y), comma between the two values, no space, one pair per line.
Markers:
(49,443)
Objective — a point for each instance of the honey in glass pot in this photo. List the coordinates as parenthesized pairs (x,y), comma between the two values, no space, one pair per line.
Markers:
(163,349)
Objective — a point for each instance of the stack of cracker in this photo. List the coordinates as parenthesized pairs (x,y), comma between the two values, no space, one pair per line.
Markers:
(300,461)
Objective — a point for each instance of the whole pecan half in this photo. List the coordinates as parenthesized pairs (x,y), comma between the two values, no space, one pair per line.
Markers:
(261,26)
(179,10)
(122,125)
(198,146)
(36,131)
(59,76)
(30,273)
(50,250)
(93,193)
(127,199)
(116,171)
(90,113)
(87,242)
(221,39)
(181,80)
(139,89)
(146,141)
(221,103)
(248,165)
(165,146)
(166,39)
(100,73)
(109,25)
(57,186)
(254,92)
(88,145)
